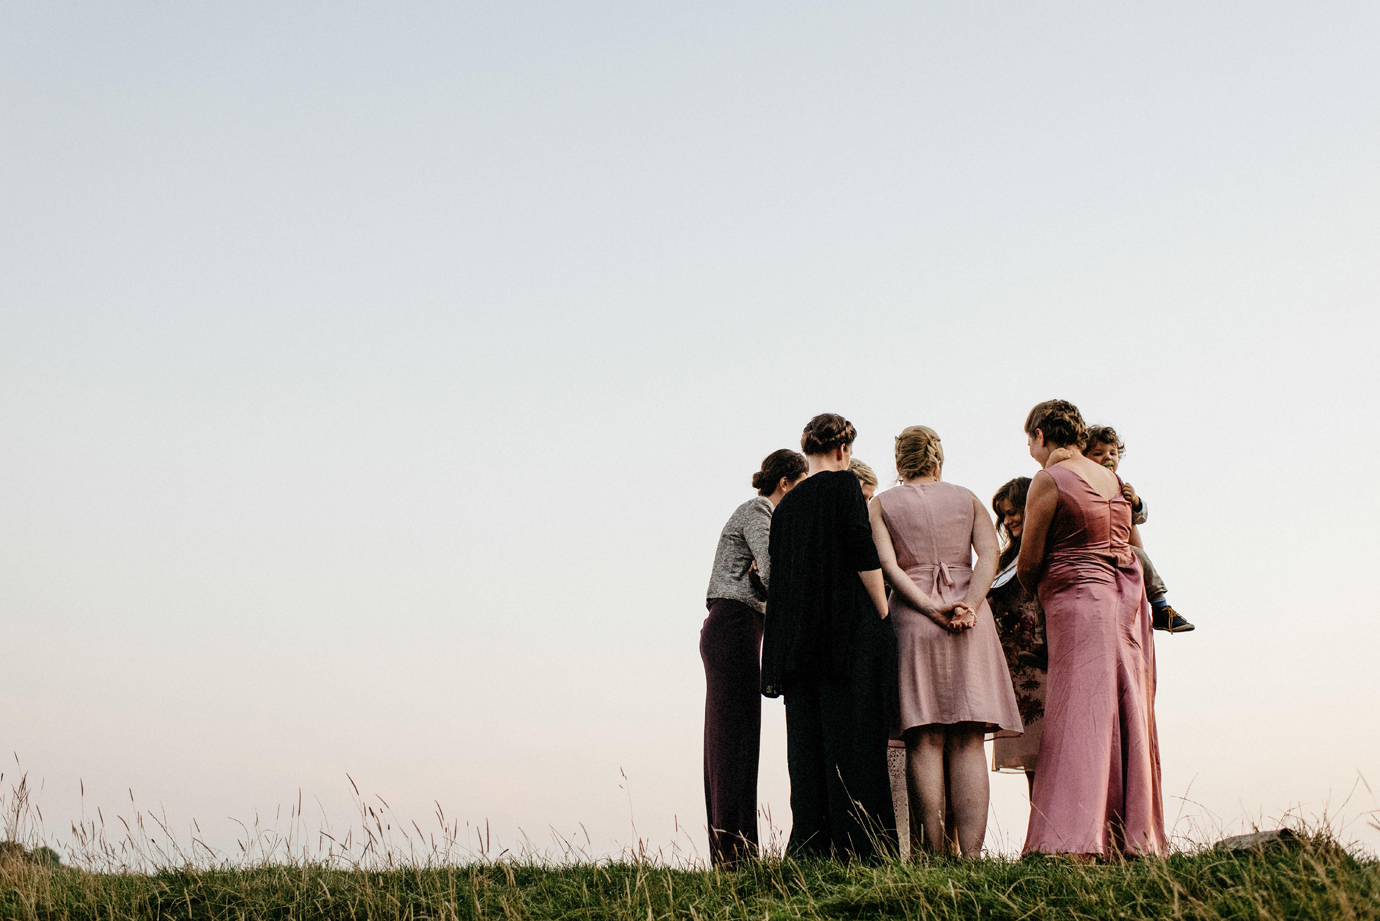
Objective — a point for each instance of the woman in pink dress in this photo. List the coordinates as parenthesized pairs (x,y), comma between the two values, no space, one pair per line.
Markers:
(954,686)
(1097,792)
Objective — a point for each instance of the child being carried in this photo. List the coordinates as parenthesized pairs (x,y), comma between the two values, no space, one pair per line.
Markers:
(1105,447)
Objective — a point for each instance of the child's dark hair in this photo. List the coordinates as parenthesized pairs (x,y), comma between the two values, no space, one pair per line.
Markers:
(1012,491)
(1105,435)
(1060,422)
(784,463)
(826,432)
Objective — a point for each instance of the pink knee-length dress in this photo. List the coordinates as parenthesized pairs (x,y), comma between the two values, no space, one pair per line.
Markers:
(944,677)
(1097,789)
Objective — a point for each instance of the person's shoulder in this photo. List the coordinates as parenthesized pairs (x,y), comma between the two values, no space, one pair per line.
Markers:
(1044,480)
(889,496)
(845,480)
(814,491)
(754,507)
(966,494)
(954,495)
(793,499)
(842,486)
(811,485)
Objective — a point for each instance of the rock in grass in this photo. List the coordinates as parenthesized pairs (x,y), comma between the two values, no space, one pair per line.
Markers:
(1258,841)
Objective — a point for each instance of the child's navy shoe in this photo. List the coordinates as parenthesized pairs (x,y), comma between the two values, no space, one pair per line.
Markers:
(1167,619)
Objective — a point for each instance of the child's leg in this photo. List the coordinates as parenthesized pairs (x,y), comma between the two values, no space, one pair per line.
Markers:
(1164,617)
(1154,585)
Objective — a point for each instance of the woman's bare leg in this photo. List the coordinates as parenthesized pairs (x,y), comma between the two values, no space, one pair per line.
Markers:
(925,783)
(968,787)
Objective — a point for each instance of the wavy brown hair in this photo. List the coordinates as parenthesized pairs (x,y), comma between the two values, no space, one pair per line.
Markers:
(1104,435)
(1013,491)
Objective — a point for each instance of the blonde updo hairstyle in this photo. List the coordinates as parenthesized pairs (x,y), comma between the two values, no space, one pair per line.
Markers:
(918,452)
(864,473)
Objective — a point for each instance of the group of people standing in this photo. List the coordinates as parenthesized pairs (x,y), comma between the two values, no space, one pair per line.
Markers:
(903,616)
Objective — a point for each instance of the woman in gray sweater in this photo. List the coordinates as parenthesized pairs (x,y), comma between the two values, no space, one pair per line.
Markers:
(731,647)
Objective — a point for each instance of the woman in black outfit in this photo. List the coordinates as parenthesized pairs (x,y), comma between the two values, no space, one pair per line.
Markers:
(831,652)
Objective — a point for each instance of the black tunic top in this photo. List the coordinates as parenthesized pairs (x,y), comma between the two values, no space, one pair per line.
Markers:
(820,541)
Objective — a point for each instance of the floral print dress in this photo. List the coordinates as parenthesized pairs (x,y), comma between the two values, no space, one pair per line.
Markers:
(1021,626)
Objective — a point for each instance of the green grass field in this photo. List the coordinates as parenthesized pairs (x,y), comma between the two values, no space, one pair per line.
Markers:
(1313,878)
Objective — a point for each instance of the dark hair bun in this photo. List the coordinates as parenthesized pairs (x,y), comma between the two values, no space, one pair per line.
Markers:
(783,463)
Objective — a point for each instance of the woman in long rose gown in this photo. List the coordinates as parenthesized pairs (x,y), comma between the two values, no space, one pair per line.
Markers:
(1097,790)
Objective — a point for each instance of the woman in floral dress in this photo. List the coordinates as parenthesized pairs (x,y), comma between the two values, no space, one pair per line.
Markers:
(1021,626)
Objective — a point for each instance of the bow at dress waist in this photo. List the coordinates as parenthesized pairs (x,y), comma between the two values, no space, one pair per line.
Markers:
(939,576)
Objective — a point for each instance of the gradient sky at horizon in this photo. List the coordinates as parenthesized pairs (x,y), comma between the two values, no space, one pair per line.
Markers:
(374,383)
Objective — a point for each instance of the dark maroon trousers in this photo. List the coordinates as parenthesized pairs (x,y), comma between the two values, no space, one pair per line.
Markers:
(731,647)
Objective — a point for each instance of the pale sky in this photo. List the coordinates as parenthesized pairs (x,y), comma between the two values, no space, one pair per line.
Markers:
(374,382)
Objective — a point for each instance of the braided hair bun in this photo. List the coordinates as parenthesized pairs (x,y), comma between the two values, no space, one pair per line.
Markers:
(918,452)
(1060,421)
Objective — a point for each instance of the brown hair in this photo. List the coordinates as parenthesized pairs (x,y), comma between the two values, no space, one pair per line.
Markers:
(1060,422)
(826,432)
(862,472)
(1104,435)
(784,463)
(1013,491)
(918,452)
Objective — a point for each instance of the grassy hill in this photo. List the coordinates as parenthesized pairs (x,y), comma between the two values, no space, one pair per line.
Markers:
(1313,878)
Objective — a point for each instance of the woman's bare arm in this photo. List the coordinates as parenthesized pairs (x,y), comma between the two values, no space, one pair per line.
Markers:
(985,569)
(896,576)
(1040,504)
(875,584)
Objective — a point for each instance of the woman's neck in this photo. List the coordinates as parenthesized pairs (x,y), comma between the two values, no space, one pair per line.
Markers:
(917,480)
(819,463)
(1059,455)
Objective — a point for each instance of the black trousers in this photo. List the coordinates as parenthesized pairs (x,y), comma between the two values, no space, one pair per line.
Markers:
(731,647)
(836,744)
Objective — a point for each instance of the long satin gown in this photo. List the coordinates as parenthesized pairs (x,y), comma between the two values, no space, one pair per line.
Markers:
(1097,790)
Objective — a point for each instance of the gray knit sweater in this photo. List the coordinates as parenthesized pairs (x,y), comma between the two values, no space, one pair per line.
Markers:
(743,540)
